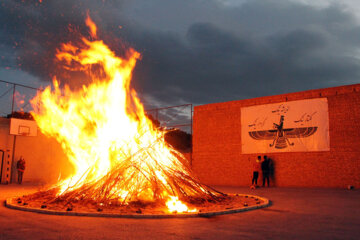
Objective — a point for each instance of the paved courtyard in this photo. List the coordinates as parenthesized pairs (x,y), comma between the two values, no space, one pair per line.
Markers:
(296,213)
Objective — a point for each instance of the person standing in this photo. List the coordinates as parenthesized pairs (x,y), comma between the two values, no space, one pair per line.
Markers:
(265,168)
(256,170)
(21,168)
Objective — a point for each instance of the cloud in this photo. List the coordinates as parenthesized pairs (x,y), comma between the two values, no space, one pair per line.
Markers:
(196,51)
(33,30)
(276,47)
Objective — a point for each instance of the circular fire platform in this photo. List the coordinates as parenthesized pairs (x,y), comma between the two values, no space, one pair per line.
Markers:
(234,204)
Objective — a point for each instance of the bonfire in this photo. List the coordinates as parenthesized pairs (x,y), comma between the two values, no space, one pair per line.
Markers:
(119,157)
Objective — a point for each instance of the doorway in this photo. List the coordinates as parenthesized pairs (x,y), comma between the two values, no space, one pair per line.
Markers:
(2,163)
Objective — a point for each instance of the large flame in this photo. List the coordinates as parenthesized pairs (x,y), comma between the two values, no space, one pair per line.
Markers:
(114,148)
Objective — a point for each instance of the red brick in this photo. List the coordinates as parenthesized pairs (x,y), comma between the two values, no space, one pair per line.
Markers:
(217,157)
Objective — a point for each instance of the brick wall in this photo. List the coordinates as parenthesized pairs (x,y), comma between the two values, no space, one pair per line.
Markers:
(217,157)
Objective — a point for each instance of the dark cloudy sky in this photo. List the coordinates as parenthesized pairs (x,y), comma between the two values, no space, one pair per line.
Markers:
(194,51)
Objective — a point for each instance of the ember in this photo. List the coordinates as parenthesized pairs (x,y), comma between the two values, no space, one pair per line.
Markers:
(120,158)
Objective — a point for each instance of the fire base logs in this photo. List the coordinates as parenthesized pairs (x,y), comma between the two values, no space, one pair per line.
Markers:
(39,202)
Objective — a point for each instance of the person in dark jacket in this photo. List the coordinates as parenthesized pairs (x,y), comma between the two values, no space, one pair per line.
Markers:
(265,168)
(21,168)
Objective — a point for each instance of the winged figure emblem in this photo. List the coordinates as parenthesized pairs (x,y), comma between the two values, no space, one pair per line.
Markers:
(281,135)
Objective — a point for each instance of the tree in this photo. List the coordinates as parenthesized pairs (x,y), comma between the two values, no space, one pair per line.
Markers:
(179,139)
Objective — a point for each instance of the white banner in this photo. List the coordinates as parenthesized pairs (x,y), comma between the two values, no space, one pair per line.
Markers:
(295,126)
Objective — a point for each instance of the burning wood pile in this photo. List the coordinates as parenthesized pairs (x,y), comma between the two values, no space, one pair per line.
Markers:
(119,157)
(138,180)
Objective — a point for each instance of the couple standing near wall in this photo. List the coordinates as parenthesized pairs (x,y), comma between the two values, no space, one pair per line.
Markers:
(266,168)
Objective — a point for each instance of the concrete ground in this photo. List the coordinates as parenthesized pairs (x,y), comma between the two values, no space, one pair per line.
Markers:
(296,213)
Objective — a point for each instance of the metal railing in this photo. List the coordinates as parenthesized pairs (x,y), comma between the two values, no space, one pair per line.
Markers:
(15,98)
(179,116)
(19,95)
